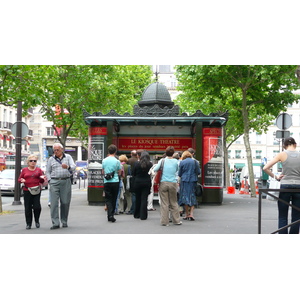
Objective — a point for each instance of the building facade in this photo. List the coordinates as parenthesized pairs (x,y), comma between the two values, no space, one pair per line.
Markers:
(8,117)
(264,145)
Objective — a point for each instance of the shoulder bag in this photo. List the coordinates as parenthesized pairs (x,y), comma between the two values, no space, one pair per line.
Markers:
(198,186)
(158,175)
(128,177)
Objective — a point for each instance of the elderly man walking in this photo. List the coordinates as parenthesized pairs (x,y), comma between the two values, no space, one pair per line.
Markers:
(59,169)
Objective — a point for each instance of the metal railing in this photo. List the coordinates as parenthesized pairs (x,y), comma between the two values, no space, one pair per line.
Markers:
(267,192)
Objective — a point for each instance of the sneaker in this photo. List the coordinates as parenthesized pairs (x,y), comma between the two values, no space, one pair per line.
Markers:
(178,223)
(164,224)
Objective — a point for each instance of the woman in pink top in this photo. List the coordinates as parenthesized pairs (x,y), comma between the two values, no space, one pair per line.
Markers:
(30,177)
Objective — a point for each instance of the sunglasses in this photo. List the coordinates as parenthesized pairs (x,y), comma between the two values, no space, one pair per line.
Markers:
(32,160)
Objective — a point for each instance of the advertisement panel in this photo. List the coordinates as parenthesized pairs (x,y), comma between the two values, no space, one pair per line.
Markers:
(213,158)
(97,143)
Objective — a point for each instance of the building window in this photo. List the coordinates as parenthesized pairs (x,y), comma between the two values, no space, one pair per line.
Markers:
(50,131)
(238,153)
(258,138)
(173,84)
(229,153)
(4,115)
(258,154)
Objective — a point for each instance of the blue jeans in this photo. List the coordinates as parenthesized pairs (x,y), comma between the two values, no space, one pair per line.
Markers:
(117,203)
(133,203)
(283,208)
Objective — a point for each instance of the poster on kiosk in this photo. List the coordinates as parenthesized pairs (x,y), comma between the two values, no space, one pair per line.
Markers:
(97,142)
(213,158)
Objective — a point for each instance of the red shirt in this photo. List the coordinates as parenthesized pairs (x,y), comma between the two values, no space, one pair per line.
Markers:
(32,177)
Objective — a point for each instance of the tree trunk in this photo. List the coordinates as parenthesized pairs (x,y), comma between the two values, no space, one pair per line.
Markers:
(298,73)
(226,166)
(247,145)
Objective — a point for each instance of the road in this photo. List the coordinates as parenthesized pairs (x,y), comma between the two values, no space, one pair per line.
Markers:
(238,214)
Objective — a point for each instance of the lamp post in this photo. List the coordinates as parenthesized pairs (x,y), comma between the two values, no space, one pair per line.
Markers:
(18,154)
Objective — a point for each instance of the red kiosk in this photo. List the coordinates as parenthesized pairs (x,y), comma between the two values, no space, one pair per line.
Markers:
(156,124)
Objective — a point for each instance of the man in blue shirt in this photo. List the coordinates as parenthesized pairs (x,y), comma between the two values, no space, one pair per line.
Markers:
(112,169)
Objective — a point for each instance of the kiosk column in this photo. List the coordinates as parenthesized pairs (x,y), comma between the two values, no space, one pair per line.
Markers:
(213,163)
(96,153)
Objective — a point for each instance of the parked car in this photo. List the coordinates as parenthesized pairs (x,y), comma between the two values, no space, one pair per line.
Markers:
(7,182)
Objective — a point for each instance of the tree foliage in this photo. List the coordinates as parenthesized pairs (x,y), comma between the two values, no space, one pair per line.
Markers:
(73,88)
(253,95)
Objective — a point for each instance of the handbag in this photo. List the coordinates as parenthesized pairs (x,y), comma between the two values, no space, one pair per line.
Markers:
(128,178)
(110,175)
(198,190)
(34,190)
(198,186)
(158,175)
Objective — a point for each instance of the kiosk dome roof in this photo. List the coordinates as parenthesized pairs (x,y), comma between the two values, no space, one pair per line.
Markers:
(156,93)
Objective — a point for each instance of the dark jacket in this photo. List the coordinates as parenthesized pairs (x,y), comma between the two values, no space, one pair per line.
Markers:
(141,175)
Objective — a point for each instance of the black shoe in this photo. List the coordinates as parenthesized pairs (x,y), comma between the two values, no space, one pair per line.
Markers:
(65,225)
(54,227)
(28,227)
(37,225)
(112,219)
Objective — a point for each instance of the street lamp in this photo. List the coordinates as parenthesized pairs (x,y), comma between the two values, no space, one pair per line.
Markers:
(18,154)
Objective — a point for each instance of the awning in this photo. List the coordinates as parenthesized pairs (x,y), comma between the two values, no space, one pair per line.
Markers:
(239,165)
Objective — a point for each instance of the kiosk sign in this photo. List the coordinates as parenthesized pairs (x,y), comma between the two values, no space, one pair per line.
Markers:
(154,143)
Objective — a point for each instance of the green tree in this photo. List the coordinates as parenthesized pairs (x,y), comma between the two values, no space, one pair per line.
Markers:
(73,88)
(253,95)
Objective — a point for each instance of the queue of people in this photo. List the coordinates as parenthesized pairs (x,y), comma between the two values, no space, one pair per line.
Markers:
(139,197)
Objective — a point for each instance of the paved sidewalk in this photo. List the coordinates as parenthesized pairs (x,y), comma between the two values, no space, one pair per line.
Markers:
(237,215)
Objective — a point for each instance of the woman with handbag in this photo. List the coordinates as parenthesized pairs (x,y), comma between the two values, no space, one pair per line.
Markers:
(32,177)
(189,170)
(168,188)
